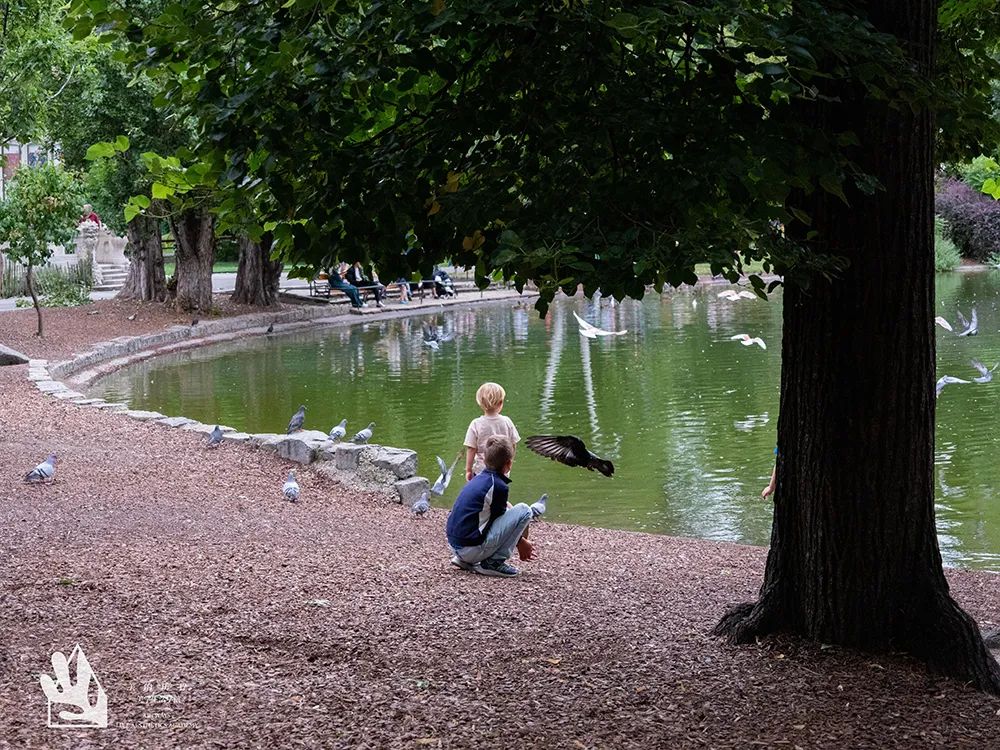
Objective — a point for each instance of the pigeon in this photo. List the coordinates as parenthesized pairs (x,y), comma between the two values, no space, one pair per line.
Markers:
(194,322)
(421,506)
(971,326)
(364,435)
(732,295)
(44,472)
(297,419)
(744,338)
(270,328)
(291,488)
(985,376)
(432,344)
(538,507)
(131,317)
(592,332)
(215,438)
(570,450)
(943,323)
(445,479)
(946,380)
(338,432)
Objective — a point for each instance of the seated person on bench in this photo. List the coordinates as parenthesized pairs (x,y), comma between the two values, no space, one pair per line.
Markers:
(356,275)
(336,281)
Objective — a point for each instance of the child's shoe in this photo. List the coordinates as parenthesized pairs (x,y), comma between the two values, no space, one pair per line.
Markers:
(497,568)
(461,564)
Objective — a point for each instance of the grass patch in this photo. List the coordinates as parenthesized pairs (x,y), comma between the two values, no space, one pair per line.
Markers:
(221,267)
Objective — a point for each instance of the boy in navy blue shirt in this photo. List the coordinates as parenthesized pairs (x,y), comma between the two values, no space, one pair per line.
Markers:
(482,530)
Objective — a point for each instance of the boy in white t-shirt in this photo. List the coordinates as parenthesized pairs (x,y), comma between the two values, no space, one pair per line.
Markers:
(490,397)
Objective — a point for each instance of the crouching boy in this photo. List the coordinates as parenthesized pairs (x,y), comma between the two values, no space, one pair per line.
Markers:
(482,530)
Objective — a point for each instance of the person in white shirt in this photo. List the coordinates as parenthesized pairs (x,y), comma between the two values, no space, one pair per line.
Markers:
(490,398)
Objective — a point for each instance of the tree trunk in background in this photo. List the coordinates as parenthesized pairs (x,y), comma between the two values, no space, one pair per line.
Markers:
(146,280)
(194,252)
(854,557)
(257,276)
(30,278)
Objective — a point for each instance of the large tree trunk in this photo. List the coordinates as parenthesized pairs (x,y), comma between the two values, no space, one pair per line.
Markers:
(854,558)
(30,278)
(257,276)
(146,280)
(194,253)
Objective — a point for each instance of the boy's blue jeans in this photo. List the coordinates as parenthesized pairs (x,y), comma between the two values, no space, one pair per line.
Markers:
(500,539)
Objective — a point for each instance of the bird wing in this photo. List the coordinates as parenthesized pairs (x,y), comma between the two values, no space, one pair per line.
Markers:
(980,366)
(943,323)
(584,325)
(566,449)
(747,295)
(961,319)
(740,337)
(728,294)
(442,464)
(759,342)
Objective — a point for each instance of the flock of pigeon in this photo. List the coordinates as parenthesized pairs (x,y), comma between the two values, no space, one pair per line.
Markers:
(744,338)
(969,328)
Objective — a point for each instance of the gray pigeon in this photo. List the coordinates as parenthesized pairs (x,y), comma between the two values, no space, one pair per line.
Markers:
(445,479)
(971,326)
(291,488)
(569,450)
(297,420)
(338,432)
(985,376)
(270,328)
(44,472)
(365,435)
(538,507)
(214,438)
(422,506)
(946,380)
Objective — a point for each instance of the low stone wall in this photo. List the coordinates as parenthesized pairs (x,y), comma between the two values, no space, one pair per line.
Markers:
(379,468)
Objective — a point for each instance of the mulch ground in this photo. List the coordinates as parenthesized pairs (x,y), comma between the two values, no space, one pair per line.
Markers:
(218,616)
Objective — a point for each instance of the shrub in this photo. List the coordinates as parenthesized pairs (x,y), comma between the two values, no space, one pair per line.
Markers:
(978,171)
(972,220)
(946,255)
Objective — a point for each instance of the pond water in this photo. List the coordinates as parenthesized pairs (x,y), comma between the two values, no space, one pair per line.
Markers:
(687,415)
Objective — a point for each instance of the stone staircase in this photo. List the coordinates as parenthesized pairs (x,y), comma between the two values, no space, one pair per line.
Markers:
(111,277)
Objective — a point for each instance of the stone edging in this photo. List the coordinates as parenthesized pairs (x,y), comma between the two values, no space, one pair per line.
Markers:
(371,467)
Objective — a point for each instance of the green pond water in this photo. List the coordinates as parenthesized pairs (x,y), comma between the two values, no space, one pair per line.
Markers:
(687,415)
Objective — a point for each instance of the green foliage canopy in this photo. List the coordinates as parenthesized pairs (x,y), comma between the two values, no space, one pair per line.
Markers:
(42,209)
(605,143)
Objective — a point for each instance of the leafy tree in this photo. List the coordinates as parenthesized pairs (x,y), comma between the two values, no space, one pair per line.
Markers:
(615,145)
(41,210)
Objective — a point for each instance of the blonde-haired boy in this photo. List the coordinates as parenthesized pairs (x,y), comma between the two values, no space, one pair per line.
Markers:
(490,398)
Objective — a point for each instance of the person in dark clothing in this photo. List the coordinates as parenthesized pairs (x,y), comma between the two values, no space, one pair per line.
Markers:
(483,528)
(356,275)
(336,281)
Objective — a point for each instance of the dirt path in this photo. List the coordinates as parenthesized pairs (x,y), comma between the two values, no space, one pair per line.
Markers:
(188,583)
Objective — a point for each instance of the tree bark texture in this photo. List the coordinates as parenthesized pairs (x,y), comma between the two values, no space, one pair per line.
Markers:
(146,280)
(30,278)
(257,276)
(194,253)
(854,557)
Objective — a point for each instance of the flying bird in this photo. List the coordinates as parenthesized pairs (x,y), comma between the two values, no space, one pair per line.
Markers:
(214,438)
(985,376)
(971,326)
(297,420)
(445,479)
(270,328)
(946,380)
(44,472)
(421,506)
(732,295)
(433,344)
(569,450)
(364,435)
(943,323)
(291,488)
(338,432)
(538,507)
(744,338)
(591,331)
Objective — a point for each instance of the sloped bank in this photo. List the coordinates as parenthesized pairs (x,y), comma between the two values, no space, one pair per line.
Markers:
(384,469)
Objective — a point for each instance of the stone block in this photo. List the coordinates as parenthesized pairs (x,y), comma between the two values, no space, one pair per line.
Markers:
(235,437)
(109,405)
(175,421)
(411,489)
(50,386)
(317,436)
(347,455)
(400,461)
(67,394)
(144,416)
(295,449)
(266,440)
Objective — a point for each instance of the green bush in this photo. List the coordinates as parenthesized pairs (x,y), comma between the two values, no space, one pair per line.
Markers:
(946,255)
(976,172)
(13,282)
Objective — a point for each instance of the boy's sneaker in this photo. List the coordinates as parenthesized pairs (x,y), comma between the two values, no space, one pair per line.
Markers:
(497,568)
(461,564)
